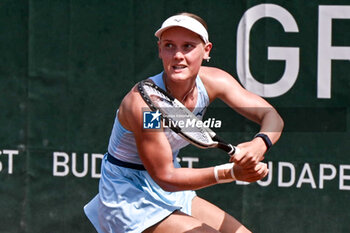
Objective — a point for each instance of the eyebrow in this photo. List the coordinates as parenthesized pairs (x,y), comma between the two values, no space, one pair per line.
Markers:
(167,40)
(190,42)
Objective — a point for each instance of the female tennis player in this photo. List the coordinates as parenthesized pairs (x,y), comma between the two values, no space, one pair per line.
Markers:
(142,186)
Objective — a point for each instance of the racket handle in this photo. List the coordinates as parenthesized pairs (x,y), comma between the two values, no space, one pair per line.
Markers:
(231,150)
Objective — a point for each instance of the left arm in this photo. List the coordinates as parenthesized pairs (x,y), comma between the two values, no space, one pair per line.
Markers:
(220,84)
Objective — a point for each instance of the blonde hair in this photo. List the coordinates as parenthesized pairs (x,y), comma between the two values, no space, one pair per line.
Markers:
(196,17)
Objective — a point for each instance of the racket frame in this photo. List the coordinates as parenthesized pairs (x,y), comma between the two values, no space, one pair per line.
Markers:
(216,141)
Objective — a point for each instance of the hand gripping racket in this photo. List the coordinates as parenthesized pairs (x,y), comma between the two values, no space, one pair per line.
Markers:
(173,110)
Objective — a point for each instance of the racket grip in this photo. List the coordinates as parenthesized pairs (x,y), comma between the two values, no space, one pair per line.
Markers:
(231,150)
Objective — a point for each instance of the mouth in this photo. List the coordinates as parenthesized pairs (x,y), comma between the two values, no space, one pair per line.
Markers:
(179,67)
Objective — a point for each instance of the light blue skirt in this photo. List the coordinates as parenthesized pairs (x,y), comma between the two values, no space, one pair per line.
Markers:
(130,201)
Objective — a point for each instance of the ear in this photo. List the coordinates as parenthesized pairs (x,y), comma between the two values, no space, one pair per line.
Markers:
(207,48)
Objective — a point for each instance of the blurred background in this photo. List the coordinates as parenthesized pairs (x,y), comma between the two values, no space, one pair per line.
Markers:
(65,66)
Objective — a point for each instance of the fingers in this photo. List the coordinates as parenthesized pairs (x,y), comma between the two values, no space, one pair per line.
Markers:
(256,173)
(244,158)
(252,174)
(248,154)
(259,172)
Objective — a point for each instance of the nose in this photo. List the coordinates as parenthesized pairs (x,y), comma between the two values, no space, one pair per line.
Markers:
(178,55)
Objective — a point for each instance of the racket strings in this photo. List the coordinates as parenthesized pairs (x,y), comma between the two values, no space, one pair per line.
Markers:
(177,113)
(174,112)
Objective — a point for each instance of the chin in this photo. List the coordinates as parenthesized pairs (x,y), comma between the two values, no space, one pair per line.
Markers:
(182,76)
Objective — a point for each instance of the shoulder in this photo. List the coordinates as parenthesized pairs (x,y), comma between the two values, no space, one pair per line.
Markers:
(130,110)
(218,82)
(207,70)
(222,85)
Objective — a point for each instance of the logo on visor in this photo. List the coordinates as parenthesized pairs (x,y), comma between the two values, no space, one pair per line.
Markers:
(151,120)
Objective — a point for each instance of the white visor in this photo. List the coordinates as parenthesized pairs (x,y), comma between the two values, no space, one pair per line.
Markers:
(185,22)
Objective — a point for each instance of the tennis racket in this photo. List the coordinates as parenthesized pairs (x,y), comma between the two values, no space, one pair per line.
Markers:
(173,110)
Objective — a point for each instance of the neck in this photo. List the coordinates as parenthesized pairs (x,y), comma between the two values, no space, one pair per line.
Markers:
(180,91)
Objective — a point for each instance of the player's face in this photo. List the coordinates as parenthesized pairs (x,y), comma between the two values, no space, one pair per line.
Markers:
(182,52)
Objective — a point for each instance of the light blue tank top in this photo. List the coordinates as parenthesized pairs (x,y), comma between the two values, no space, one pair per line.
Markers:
(122,143)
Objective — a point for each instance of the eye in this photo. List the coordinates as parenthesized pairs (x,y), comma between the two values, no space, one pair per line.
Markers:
(188,46)
(168,45)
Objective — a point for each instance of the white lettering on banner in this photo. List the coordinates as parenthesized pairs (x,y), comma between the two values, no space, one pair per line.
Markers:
(306,172)
(287,173)
(190,161)
(327,52)
(288,54)
(74,165)
(10,154)
(281,166)
(286,169)
(94,157)
(324,177)
(61,164)
(343,177)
